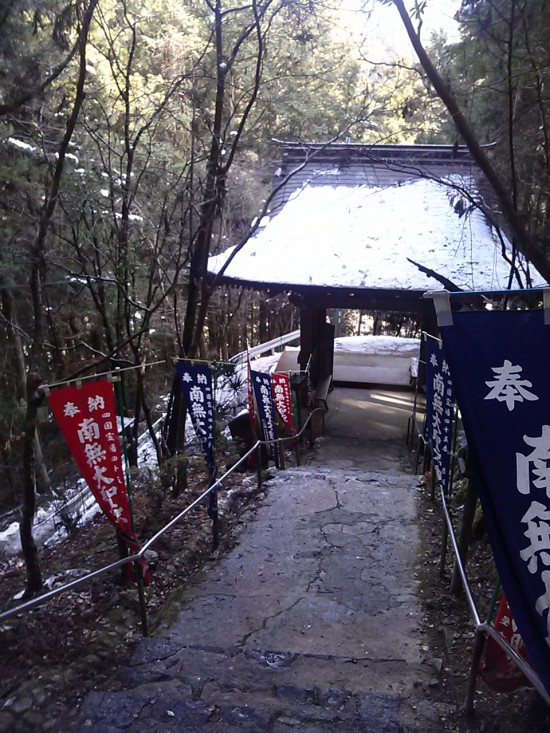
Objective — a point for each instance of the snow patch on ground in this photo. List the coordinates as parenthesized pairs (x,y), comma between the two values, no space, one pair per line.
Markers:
(80,504)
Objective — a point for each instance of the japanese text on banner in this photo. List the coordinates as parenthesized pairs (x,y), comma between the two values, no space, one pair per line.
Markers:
(87,418)
(196,384)
(282,398)
(261,384)
(439,411)
(499,364)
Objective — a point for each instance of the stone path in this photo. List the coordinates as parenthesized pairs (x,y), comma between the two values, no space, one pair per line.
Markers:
(310,623)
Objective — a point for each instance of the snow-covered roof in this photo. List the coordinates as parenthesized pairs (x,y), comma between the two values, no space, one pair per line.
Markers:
(378,345)
(363,237)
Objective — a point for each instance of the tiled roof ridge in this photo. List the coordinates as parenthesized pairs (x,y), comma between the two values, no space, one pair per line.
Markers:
(340,152)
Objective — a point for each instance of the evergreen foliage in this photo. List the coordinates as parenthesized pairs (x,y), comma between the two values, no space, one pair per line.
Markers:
(502,70)
(135,140)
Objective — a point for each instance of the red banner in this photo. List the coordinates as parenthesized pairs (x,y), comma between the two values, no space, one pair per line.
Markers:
(496,667)
(282,397)
(87,417)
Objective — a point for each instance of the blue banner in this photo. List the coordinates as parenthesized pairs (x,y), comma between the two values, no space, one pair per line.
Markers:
(196,384)
(499,362)
(261,385)
(439,411)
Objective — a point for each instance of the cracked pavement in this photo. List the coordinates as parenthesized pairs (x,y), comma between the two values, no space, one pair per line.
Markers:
(312,621)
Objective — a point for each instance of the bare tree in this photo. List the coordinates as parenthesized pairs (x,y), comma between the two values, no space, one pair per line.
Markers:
(533,250)
(37,367)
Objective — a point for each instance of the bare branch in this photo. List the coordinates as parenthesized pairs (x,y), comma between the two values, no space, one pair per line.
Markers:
(533,251)
(10,107)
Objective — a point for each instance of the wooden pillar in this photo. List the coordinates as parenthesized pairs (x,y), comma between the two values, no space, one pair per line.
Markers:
(312,333)
(319,337)
(262,322)
(306,335)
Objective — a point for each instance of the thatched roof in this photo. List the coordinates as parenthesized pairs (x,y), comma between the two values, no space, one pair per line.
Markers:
(332,234)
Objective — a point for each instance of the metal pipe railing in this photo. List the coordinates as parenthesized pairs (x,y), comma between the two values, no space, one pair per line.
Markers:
(469,596)
(518,659)
(194,503)
(266,346)
(483,628)
(31,603)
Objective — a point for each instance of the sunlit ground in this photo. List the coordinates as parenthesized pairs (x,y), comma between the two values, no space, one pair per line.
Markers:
(403,401)
(371,414)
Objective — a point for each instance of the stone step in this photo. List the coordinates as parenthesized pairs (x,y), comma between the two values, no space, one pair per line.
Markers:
(309,624)
(170,688)
(161,659)
(166,706)
(170,710)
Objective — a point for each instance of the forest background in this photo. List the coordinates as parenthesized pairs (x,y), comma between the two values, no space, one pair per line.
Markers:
(136,139)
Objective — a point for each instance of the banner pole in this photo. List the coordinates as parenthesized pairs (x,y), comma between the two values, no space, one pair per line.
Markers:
(211,362)
(489,293)
(213,498)
(445,534)
(100,374)
(216,518)
(293,412)
(119,391)
(296,398)
(454,455)
(411,424)
(466,527)
(259,464)
(137,564)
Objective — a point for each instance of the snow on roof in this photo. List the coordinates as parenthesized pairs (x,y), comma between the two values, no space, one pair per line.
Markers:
(361,237)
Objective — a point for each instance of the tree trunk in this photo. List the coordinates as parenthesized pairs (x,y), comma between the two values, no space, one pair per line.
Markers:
(28,545)
(147,414)
(14,341)
(262,322)
(42,475)
(37,361)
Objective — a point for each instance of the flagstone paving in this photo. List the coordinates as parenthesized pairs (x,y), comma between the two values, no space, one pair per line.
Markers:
(312,621)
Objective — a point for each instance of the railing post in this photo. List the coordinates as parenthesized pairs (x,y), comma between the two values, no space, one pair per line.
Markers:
(141,596)
(417,462)
(215,532)
(281,449)
(259,464)
(476,657)
(213,513)
(311,439)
